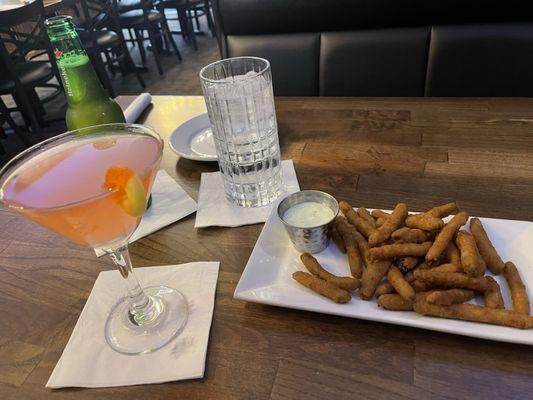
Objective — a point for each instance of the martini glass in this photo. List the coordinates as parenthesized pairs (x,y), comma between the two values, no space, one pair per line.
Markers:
(91,186)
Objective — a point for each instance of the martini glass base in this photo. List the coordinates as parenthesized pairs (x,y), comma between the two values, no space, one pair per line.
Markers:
(170,314)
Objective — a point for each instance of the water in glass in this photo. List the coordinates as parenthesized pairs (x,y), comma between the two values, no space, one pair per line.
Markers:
(240,103)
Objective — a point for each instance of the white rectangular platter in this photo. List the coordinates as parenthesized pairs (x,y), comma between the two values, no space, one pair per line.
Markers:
(267,279)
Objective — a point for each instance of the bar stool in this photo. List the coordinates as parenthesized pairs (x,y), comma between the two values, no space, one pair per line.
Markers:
(186,10)
(155,23)
(100,32)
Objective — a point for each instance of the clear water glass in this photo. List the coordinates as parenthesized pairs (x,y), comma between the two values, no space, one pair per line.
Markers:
(240,103)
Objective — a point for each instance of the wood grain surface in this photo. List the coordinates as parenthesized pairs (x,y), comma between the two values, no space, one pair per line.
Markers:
(371,152)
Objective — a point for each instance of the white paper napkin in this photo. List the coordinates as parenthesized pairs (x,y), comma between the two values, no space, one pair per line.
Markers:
(137,106)
(88,361)
(215,210)
(170,203)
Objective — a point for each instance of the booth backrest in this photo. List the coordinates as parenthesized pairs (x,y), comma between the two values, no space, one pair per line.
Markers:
(384,47)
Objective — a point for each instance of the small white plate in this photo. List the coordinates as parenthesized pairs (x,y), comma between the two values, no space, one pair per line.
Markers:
(267,279)
(194,139)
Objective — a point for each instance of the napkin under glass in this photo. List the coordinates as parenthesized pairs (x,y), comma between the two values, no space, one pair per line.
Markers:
(170,203)
(88,361)
(215,210)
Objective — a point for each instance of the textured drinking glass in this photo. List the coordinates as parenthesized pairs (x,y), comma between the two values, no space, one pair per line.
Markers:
(240,103)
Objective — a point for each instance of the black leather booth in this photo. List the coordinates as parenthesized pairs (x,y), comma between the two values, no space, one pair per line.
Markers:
(385,47)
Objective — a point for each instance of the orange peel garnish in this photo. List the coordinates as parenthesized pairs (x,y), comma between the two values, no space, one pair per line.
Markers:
(128,189)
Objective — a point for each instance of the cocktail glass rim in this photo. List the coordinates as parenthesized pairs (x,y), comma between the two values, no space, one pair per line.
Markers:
(100,130)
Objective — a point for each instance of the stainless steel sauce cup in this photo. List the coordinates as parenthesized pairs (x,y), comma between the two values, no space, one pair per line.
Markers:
(312,239)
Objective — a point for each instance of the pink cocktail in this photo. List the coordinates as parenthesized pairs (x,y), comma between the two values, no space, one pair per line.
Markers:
(91,186)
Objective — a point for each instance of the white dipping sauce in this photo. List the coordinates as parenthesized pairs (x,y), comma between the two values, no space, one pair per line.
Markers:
(308,214)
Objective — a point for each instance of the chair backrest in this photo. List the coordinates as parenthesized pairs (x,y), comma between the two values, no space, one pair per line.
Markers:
(100,14)
(25,12)
(92,16)
(23,37)
(22,32)
(384,47)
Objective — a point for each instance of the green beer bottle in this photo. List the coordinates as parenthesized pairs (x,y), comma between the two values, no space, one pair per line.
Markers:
(88,102)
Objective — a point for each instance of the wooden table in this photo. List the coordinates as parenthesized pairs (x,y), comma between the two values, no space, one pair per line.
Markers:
(372,152)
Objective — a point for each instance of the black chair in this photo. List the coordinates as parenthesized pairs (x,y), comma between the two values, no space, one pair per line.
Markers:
(99,30)
(21,37)
(5,118)
(11,84)
(147,19)
(188,12)
(200,10)
(128,5)
(384,48)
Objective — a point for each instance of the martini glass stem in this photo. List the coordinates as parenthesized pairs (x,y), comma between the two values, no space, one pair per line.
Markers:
(141,309)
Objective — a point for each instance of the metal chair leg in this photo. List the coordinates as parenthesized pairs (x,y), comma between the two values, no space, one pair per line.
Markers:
(109,62)
(139,36)
(167,34)
(28,114)
(182,18)
(197,19)
(127,60)
(190,31)
(209,17)
(130,34)
(155,51)
(166,44)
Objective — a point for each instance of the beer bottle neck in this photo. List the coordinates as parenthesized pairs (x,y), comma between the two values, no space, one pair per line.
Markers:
(79,79)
